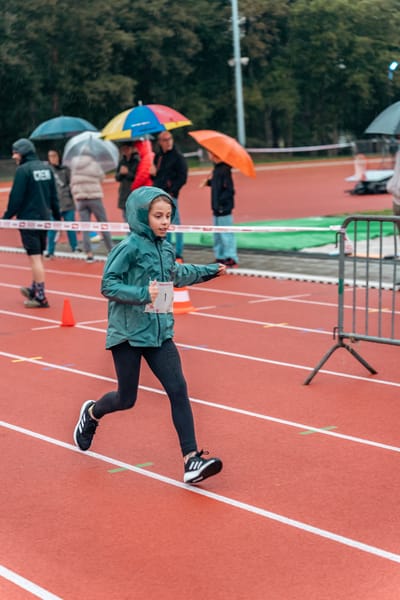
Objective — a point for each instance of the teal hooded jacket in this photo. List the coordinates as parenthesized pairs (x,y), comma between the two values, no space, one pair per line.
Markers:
(140,258)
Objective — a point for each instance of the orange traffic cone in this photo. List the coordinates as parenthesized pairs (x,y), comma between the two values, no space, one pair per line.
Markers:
(182,302)
(67,319)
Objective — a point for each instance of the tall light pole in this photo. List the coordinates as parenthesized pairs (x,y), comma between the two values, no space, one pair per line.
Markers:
(237,63)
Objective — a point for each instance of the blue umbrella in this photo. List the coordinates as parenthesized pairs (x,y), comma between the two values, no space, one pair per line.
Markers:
(61,127)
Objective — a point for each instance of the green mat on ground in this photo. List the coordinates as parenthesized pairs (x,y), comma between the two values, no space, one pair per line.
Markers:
(294,240)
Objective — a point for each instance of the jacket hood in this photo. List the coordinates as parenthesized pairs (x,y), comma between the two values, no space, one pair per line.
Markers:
(24,147)
(143,147)
(137,208)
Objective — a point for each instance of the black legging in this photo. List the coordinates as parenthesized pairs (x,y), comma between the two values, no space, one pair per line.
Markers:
(166,365)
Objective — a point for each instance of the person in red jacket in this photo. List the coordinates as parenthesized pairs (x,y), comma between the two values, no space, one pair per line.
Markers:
(142,176)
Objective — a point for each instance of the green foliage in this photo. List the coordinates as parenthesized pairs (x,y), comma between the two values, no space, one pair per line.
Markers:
(316,69)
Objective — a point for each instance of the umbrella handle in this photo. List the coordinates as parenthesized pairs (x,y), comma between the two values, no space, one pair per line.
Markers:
(205,181)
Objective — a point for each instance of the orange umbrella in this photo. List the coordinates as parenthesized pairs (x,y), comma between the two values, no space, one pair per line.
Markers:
(226,148)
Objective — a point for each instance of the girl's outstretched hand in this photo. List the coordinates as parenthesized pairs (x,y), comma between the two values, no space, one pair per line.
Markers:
(221,269)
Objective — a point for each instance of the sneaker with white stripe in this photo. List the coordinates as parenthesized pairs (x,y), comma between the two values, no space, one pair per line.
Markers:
(85,427)
(198,468)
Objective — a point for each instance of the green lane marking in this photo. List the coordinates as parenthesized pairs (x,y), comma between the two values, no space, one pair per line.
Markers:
(317,430)
(117,470)
(120,469)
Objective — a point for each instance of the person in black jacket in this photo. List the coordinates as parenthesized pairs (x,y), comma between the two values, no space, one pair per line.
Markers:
(33,196)
(62,176)
(222,204)
(169,172)
(125,173)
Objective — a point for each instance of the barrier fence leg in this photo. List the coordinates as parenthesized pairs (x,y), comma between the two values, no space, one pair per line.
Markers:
(360,359)
(321,363)
(353,352)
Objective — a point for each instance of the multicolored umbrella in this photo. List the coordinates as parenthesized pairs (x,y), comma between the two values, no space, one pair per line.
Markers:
(226,148)
(143,120)
(61,127)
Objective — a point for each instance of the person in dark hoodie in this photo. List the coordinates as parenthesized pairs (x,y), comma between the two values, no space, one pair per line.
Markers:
(222,205)
(169,172)
(33,196)
(138,281)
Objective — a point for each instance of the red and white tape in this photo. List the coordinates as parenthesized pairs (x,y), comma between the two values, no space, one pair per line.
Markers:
(124,227)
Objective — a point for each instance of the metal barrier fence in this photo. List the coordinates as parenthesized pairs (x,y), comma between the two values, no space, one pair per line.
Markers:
(369,277)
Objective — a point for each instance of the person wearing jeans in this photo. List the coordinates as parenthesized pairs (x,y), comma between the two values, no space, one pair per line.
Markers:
(62,177)
(222,204)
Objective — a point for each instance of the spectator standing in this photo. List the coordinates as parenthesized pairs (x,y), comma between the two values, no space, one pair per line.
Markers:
(33,196)
(169,173)
(62,177)
(125,173)
(222,204)
(87,191)
(146,156)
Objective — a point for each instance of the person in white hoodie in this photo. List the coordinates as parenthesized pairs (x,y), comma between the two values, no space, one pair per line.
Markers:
(87,191)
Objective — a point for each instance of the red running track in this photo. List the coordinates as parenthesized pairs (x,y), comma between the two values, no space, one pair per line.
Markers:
(295,514)
(279,191)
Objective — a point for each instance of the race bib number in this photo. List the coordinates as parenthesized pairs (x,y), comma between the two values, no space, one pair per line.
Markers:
(165,299)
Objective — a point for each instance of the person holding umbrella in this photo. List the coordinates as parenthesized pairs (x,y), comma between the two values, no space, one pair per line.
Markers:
(222,204)
(146,156)
(87,191)
(33,196)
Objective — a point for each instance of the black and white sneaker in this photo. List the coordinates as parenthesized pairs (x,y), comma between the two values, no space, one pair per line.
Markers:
(36,303)
(198,468)
(85,427)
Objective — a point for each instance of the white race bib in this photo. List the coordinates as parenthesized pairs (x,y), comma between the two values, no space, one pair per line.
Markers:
(165,299)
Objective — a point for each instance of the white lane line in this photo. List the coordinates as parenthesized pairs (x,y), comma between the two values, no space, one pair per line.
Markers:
(198,313)
(240,411)
(244,506)
(27,585)
(295,298)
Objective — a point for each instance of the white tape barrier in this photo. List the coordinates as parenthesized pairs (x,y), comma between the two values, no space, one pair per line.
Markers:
(124,227)
(300,148)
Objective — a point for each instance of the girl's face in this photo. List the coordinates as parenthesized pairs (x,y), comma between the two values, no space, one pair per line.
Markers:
(160,217)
